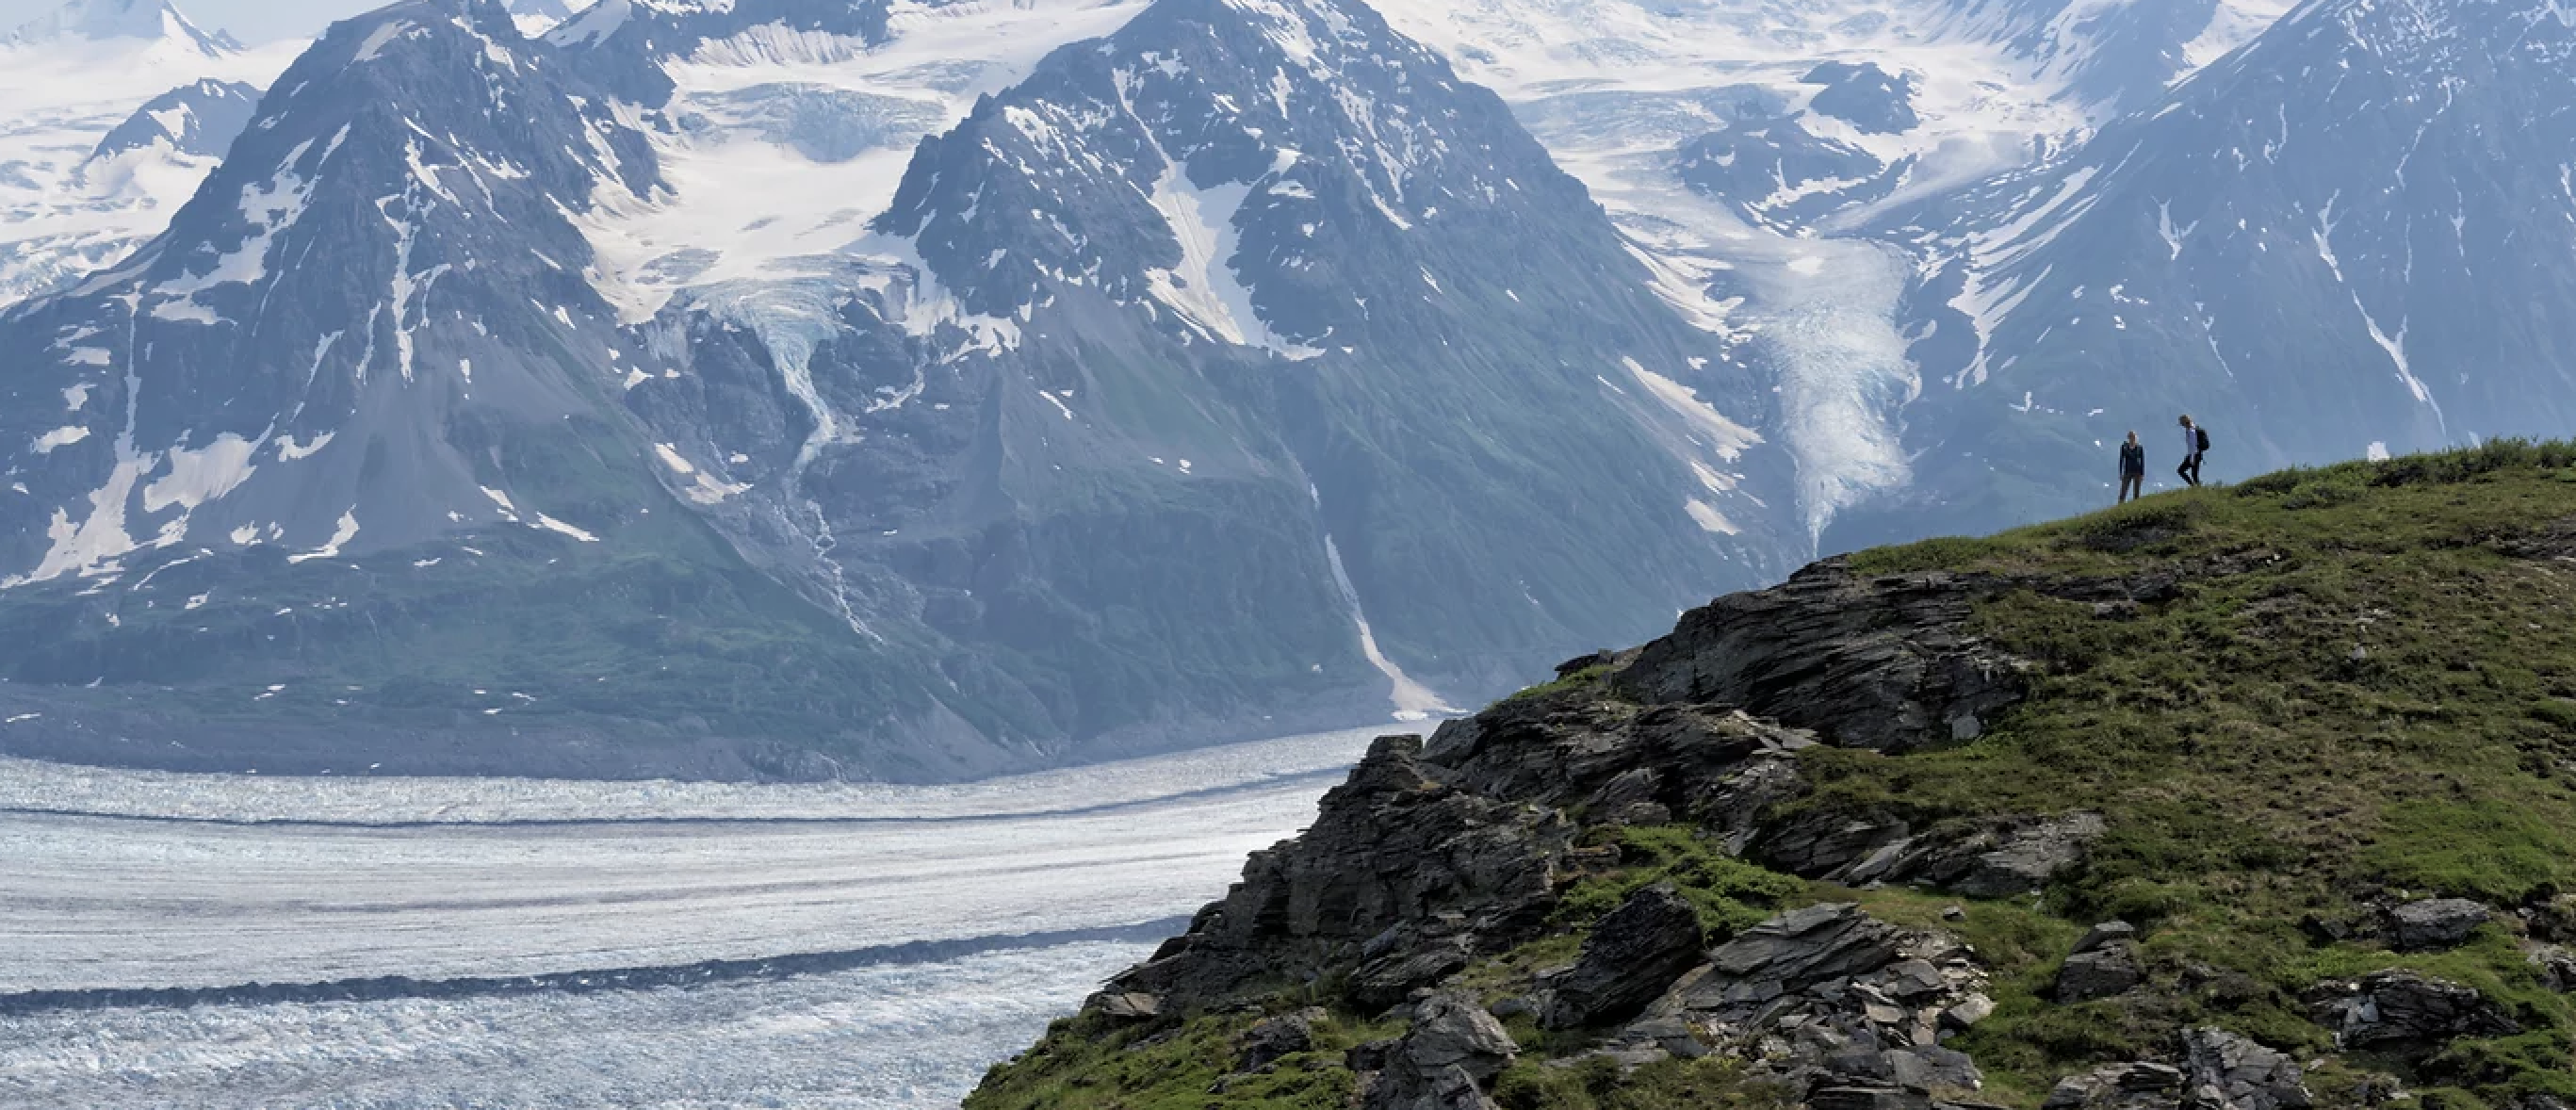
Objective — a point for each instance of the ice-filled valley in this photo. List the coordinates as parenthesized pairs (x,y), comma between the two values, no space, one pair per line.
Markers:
(699,945)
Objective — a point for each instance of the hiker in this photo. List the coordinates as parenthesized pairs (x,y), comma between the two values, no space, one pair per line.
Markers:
(2133,469)
(2194,442)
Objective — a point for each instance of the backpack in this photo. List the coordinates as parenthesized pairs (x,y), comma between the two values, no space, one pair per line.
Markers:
(2200,438)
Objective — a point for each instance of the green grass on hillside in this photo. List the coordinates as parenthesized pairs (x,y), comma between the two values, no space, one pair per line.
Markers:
(1093,1063)
(2376,707)
(2357,696)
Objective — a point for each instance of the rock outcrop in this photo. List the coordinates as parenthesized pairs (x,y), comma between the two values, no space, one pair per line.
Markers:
(1437,853)
(1285,1035)
(2218,1070)
(1453,1052)
(1880,663)
(1831,1004)
(2119,1087)
(1607,864)
(1986,858)
(2224,1071)
(2435,923)
(1477,874)
(1631,956)
(2103,963)
(2404,1010)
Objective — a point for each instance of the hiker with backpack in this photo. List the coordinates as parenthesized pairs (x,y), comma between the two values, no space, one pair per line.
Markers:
(2195,443)
(2133,469)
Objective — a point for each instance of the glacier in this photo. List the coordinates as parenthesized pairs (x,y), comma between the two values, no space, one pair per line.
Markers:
(845,945)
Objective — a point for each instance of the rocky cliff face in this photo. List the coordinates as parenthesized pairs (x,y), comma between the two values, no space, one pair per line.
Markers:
(1915,829)
(1203,378)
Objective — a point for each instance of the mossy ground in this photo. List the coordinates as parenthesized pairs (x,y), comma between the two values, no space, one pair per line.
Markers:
(2373,701)
(1091,1063)
(2375,706)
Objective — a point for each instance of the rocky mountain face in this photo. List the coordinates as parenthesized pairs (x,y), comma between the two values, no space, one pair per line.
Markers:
(1185,387)
(196,121)
(1886,835)
(359,339)
(2316,269)
(1752,156)
(1289,218)
(1096,375)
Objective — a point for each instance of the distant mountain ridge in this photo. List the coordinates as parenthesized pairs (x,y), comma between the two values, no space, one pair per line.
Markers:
(1248,431)
(121,19)
(2317,270)
(199,120)
(1076,377)
(118,112)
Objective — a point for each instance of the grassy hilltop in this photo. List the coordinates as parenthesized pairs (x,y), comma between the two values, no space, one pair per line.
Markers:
(2360,691)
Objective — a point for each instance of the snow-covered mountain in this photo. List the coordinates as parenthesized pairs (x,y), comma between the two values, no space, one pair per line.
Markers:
(1746,149)
(115,111)
(191,121)
(536,17)
(156,21)
(921,388)
(2318,267)
(1220,370)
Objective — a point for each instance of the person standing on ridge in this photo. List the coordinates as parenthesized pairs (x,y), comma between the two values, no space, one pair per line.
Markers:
(2133,469)
(2194,441)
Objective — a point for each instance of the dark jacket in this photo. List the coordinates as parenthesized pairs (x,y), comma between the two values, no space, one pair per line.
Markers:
(2133,460)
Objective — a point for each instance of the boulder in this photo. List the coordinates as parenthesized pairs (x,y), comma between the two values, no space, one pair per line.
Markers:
(1277,1037)
(1391,978)
(1450,1030)
(2403,1010)
(1634,952)
(2435,923)
(1451,1088)
(1125,1006)
(1369,1057)
(1444,1061)
(1970,1010)
(1826,845)
(2100,973)
(2104,935)
(2030,856)
(2557,966)
(1921,1069)
(2223,1071)
(2119,1087)
(1794,951)
(2555,919)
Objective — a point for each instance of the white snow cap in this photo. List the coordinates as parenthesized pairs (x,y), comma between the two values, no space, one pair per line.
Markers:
(120,19)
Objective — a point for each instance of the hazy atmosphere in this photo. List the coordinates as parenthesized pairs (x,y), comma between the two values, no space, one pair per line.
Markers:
(1288,554)
(252,21)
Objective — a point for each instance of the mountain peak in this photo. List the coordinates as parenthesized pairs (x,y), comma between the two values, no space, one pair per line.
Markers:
(151,20)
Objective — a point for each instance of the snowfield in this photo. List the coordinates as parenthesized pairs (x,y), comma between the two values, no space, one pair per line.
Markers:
(64,213)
